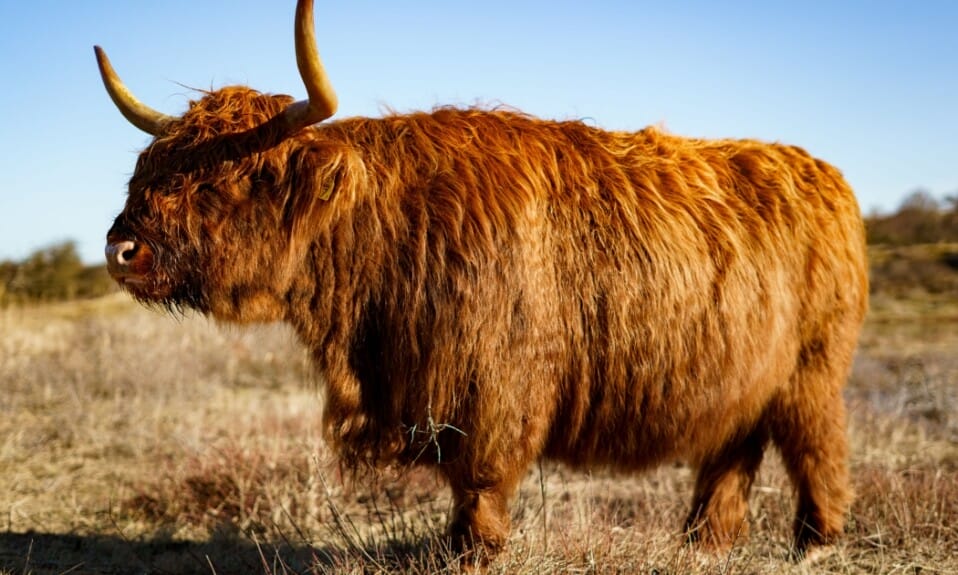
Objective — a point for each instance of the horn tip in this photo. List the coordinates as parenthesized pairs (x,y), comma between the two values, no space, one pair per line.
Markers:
(101,57)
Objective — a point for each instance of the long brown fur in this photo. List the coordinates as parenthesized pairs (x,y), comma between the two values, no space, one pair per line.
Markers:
(480,288)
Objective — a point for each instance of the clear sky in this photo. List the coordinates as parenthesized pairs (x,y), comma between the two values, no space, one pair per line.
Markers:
(870,86)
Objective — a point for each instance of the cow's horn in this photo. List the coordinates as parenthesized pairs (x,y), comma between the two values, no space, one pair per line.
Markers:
(139,114)
(322,98)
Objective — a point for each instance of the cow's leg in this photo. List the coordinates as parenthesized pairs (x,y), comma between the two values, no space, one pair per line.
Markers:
(480,518)
(720,503)
(482,490)
(808,426)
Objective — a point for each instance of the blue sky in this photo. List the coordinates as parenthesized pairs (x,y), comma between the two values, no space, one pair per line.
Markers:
(871,87)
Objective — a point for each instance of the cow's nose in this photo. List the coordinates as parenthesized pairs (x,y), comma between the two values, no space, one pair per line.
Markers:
(120,255)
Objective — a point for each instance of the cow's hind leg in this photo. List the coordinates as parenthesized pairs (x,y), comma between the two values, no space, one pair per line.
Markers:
(720,504)
(808,426)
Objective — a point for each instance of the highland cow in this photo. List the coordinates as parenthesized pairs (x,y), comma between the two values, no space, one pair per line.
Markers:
(480,289)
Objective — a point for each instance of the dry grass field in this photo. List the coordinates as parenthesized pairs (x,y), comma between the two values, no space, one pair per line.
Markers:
(135,442)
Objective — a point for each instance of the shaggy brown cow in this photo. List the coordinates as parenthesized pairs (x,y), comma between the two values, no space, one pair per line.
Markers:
(480,289)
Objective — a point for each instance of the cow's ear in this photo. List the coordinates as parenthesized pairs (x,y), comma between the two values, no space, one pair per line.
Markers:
(310,189)
(306,185)
(321,179)
(326,188)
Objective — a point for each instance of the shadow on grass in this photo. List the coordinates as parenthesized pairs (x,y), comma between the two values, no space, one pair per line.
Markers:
(48,553)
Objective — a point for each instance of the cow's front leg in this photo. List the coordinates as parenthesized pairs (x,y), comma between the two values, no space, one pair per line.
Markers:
(480,522)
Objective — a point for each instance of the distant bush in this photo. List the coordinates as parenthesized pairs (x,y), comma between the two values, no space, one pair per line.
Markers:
(53,273)
(920,219)
(900,271)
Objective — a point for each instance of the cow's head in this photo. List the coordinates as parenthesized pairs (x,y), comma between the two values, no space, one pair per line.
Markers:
(210,194)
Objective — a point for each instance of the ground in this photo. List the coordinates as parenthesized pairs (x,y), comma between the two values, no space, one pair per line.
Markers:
(132,442)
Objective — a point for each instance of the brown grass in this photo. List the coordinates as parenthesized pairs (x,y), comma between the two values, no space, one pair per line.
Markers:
(131,442)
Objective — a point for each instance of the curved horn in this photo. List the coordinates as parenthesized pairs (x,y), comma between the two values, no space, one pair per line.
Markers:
(139,114)
(322,100)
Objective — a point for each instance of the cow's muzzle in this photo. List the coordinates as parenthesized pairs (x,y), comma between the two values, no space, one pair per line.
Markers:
(128,261)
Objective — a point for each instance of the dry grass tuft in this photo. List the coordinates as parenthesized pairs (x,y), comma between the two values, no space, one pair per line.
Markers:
(226,486)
